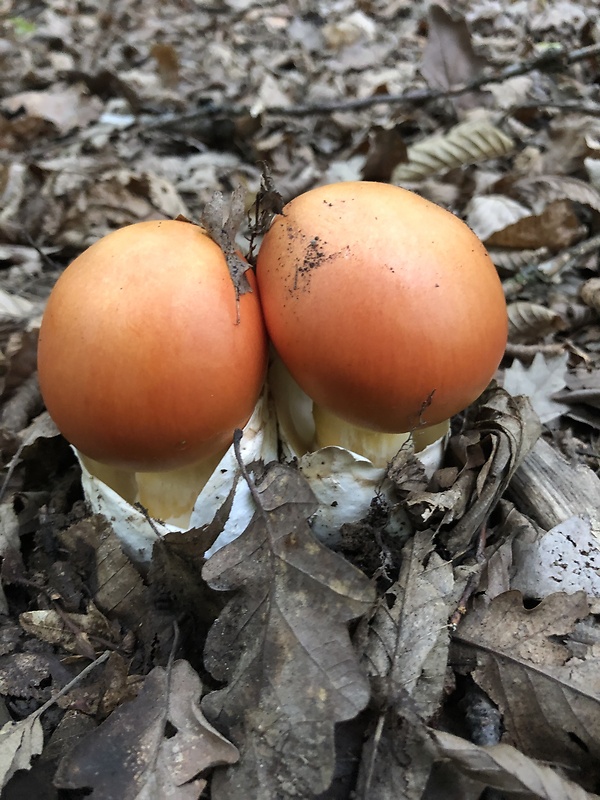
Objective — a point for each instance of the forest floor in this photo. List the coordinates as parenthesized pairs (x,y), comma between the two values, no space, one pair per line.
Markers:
(453,656)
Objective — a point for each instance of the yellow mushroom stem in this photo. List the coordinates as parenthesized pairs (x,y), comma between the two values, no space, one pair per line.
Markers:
(169,496)
(378,447)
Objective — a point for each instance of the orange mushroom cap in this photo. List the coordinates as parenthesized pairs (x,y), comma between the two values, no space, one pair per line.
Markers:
(146,359)
(386,309)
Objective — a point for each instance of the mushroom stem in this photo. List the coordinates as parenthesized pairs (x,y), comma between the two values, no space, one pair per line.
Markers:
(169,496)
(378,447)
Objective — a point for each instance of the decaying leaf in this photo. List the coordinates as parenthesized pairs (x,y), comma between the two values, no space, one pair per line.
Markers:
(541,190)
(76,633)
(467,143)
(511,261)
(282,645)
(449,59)
(487,214)
(556,227)
(564,559)
(223,220)
(524,667)
(405,646)
(539,382)
(530,322)
(19,743)
(499,433)
(590,293)
(504,768)
(156,746)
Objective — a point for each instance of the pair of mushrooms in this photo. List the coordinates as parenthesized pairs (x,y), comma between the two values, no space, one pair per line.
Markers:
(385,309)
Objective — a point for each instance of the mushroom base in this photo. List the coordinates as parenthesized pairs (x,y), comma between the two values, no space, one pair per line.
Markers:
(169,496)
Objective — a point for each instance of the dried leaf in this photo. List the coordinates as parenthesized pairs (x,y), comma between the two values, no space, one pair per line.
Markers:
(590,293)
(499,433)
(488,214)
(449,59)
(406,645)
(19,743)
(539,382)
(76,633)
(131,755)
(511,261)
(527,670)
(467,143)
(504,768)
(564,559)
(540,191)
(282,646)
(529,322)
(65,108)
(556,227)
(222,221)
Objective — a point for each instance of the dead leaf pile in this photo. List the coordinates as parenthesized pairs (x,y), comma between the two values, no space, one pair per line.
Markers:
(448,646)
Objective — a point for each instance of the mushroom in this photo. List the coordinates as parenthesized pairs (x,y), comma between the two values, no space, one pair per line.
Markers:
(385,308)
(149,359)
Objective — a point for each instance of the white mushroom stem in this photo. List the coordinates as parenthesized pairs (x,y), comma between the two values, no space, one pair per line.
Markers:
(169,496)
(378,447)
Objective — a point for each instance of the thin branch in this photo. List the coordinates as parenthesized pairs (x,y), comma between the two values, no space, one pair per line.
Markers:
(552,58)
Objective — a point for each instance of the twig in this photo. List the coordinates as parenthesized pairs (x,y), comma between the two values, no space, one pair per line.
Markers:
(556,56)
(77,679)
(549,270)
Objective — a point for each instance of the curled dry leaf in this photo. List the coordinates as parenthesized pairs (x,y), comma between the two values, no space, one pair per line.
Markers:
(590,293)
(467,143)
(530,322)
(549,701)
(540,191)
(223,221)
(283,648)
(498,434)
(511,261)
(19,743)
(132,754)
(75,633)
(504,768)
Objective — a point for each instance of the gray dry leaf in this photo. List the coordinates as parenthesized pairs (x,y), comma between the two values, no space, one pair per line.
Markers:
(133,756)
(530,322)
(19,742)
(282,646)
(406,646)
(563,559)
(467,143)
(497,437)
(542,379)
(504,768)
(223,220)
(549,700)
(449,59)
(407,638)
